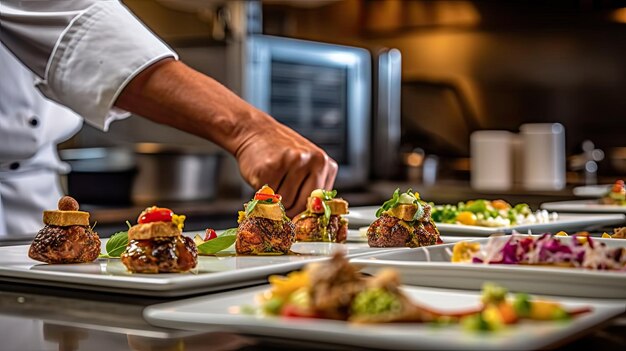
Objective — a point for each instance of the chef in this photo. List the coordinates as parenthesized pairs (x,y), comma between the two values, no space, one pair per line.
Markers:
(62,62)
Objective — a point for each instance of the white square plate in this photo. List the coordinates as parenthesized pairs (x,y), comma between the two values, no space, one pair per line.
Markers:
(582,206)
(431,266)
(220,311)
(364,216)
(213,273)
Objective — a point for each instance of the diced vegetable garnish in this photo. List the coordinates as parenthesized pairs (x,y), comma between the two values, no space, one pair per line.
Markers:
(155,214)
(522,305)
(210,234)
(375,301)
(317,204)
(266,194)
(466,217)
(493,294)
(321,291)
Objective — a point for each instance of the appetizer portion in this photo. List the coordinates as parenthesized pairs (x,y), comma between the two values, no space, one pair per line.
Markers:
(560,250)
(156,244)
(336,290)
(66,236)
(486,213)
(616,196)
(404,220)
(264,228)
(322,219)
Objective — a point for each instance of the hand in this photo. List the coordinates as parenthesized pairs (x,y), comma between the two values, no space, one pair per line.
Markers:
(268,152)
(281,158)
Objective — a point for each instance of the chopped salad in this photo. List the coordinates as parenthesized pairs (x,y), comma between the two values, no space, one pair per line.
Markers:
(615,196)
(486,213)
(578,251)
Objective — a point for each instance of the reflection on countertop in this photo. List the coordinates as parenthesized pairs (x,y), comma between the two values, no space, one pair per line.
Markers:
(42,318)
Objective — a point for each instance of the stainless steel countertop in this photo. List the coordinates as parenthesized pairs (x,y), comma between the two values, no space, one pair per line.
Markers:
(46,318)
(42,318)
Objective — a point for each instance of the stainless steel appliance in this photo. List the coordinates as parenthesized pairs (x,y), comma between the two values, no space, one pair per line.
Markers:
(320,90)
(387,117)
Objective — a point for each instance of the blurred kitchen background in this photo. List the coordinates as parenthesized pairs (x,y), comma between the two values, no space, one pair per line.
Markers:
(392,89)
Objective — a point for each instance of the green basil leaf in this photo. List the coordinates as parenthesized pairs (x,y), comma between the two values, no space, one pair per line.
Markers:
(117,244)
(329,195)
(326,212)
(251,205)
(389,203)
(218,244)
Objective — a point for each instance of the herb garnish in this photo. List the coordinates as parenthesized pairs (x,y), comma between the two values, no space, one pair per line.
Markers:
(116,244)
(329,195)
(391,203)
(222,242)
(395,200)
(250,206)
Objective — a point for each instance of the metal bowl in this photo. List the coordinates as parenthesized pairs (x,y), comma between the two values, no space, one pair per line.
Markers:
(174,173)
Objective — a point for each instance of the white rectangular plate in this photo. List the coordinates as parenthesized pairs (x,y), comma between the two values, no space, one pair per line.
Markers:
(597,190)
(364,216)
(220,311)
(213,273)
(581,206)
(431,266)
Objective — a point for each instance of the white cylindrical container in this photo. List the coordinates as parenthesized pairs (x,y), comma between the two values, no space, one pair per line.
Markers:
(491,159)
(544,156)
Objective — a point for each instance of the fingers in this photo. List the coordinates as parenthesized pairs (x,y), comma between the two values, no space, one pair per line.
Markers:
(317,171)
(290,164)
(333,168)
(303,164)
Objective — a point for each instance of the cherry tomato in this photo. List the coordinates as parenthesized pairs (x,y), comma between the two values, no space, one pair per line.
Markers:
(618,187)
(210,234)
(274,198)
(316,205)
(155,214)
(265,189)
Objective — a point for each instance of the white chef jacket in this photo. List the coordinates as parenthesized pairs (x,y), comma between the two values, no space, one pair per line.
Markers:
(59,61)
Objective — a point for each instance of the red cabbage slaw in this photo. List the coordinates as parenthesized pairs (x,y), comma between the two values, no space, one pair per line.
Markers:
(549,249)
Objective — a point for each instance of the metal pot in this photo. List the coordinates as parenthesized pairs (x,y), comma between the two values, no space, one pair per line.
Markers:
(100,175)
(174,173)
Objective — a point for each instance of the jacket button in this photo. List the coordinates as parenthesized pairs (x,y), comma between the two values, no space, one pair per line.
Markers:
(33,121)
(14,166)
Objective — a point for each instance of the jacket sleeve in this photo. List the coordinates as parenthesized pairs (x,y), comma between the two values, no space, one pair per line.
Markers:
(83,51)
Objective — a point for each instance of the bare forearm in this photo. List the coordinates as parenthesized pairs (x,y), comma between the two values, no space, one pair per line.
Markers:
(171,93)
(268,152)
